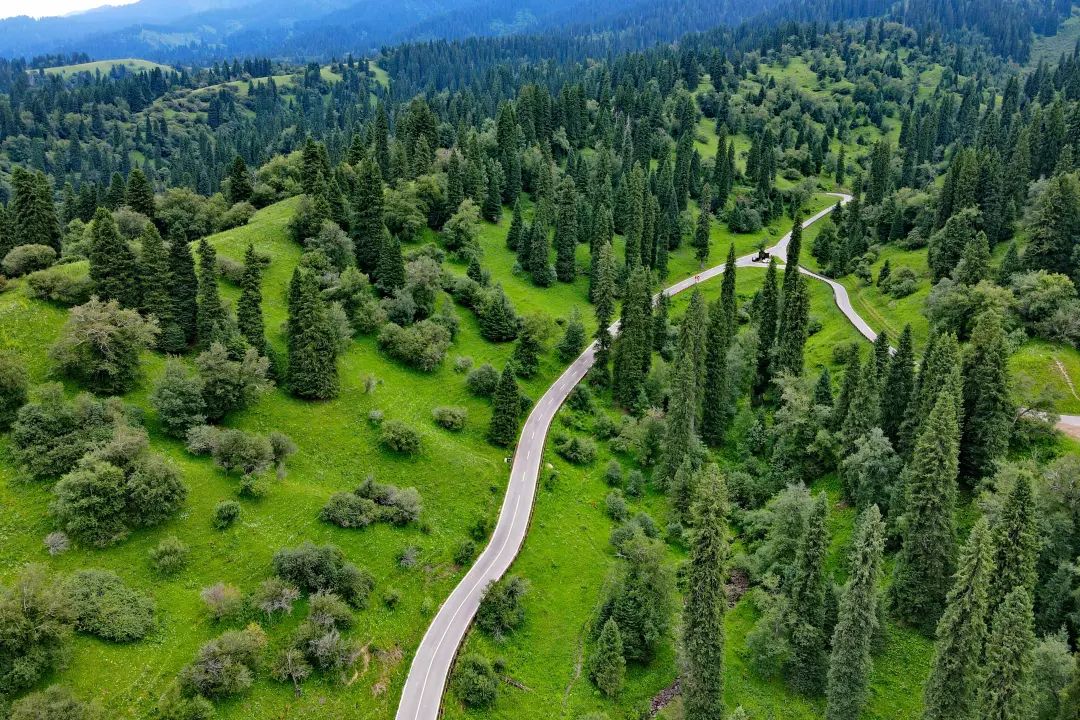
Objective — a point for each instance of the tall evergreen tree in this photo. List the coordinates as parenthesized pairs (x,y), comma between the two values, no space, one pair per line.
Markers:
(809,663)
(156,279)
(899,385)
(566,228)
(367,226)
(927,557)
(793,330)
(706,601)
(864,411)
(211,315)
(680,436)
(604,299)
(767,307)
(390,268)
(1006,689)
(607,665)
(794,251)
(312,348)
(988,408)
(113,265)
(701,233)
(516,233)
(140,194)
(823,389)
(249,317)
(506,408)
(1016,541)
(114,196)
(950,691)
(183,288)
(240,188)
(632,348)
(857,621)
(33,215)
(716,403)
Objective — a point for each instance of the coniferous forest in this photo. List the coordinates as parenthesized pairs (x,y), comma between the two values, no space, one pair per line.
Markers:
(272,322)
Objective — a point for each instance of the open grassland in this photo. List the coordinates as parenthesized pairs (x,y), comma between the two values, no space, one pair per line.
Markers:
(106,66)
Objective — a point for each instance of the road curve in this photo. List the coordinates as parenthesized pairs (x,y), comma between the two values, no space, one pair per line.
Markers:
(423,691)
(422,694)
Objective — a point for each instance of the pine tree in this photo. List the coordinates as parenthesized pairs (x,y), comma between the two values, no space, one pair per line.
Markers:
(701,233)
(140,194)
(367,226)
(604,300)
(183,289)
(841,167)
(794,251)
(974,265)
(927,559)
(988,408)
(633,349)
(455,183)
(506,409)
(608,666)
(312,348)
(516,233)
(113,265)
(239,181)
(390,268)
(526,356)
(156,300)
(961,634)
(573,339)
(566,228)
(1006,689)
(33,216)
(1016,541)
(793,330)
(864,411)
(539,256)
(823,389)
(857,622)
(680,436)
(114,196)
(1010,265)
(211,315)
(491,207)
(899,385)
(706,601)
(249,317)
(767,315)
(940,369)
(808,668)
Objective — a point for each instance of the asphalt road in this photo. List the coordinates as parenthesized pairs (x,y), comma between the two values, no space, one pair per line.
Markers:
(423,691)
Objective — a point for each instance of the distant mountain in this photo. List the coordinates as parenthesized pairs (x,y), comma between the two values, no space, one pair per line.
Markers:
(200,30)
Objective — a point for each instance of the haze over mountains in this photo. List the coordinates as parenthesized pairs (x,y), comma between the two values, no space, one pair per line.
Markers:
(188,30)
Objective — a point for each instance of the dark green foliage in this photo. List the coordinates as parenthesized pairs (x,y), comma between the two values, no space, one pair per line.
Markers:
(988,408)
(212,317)
(155,277)
(717,409)
(107,608)
(792,330)
(183,290)
(13,388)
(573,339)
(178,400)
(767,310)
(101,344)
(516,234)
(701,236)
(607,666)
(140,194)
(1015,540)
(499,321)
(566,230)
(249,318)
(899,385)
(857,622)
(961,633)
(33,216)
(640,600)
(530,344)
(808,666)
(706,602)
(823,394)
(367,220)
(475,682)
(226,665)
(501,610)
(54,703)
(390,267)
(315,568)
(506,409)
(633,347)
(36,617)
(372,502)
(51,433)
(398,437)
(312,371)
(228,384)
(483,380)
(239,181)
(113,267)
(1006,689)
(422,345)
(927,560)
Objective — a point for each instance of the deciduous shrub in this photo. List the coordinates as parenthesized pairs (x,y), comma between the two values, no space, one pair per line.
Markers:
(101,343)
(170,556)
(373,502)
(223,601)
(422,345)
(226,513)
(106,607)
(450,417)
(475,682)
(36,617)
(501,610)
(399,437)
(27,258)
(483,380)
(178,399)
(66,285)
(226,665)
(13,388)
(578,450)
(53,703)
(323,567)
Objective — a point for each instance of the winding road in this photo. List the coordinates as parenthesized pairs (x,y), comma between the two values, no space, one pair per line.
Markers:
(423,691)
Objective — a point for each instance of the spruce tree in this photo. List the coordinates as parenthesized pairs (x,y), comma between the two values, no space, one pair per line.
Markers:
(767,315)
(988,407)
(516,233)
(312,348)
(156,300)
(539,256)
(367,226)
(604,299)
(857,622)
(607,667)
(794,251)
(390,268)
(140,194)
(633,349)
(1016,541)
(113,266)
(573,339)
(823,389)
(240,188)
(808,666)
(114,196)
(898,387)
(680,435)
(33,215)
(249,317)
(1006,689)
(927,559)
(706,602)
(701,233)
(566,227)
(974,265)
(211,315)
(723,323)
(848,385)
(183,288)
(506,408)
(526,357)
(793,330)
(863,412)
(950,691)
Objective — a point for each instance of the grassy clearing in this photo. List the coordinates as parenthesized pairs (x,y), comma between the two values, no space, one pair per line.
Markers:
(106,66)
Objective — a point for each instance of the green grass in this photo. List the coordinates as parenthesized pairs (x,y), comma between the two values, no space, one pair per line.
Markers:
(105,66)
(1051,47)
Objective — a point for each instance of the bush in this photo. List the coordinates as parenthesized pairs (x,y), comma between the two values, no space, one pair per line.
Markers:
(422,345)
(226,665)
(613,474)
(274,596)
(462,363)
(230,384)
(348,510)
(580,399)
(107,608)
(465,553)
(223,601)
(615,505)
(483,380)
(226,513)
(501,610)
(236,451)
(399,437)
(475,682)
(36,616)
(239,214)
(101,343)
(178,400)
(315,568)
(154,491)
(170,556)
(900,283)
(450,417)
(13,386)
(27,258)
(175,704)
(580,451)
(743,217)
(66,285)
(57,543)
(54,703)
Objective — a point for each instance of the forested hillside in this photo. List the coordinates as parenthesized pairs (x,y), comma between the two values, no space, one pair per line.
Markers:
(270,332)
